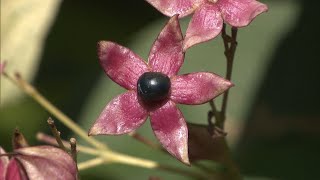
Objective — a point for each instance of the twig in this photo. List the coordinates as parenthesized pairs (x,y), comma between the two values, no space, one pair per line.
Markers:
(144,140)
(230,45)
(73,147)
(113,157)
(32,92)
(213,113)
(210,123)
(56,134)
(217,129)
(213,108)
(102,150)
(149,143)
(51,140)
(73,152)
(90,163)
(229,53)
(106,154)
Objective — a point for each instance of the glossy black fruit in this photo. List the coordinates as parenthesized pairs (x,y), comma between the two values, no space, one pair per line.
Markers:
(153,86)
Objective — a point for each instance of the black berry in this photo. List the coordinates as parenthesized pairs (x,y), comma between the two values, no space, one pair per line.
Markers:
(153,86)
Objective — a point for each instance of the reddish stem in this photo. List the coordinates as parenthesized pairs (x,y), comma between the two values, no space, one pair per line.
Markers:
(230,45)
(144,140)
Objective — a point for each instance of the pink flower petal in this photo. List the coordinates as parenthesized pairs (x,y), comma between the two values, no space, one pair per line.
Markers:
(4,161)
(197,88)
(121,64)
(170,128)
(206,24)
(172,7)
(239,13)
(166,54)
(41,162)
(14,171)
(122,115)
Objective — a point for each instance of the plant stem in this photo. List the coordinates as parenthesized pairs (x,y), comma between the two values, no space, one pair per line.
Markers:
(73,152)
(73,147)
(102,150)
(108,155)
(144,140)
(152,145)
(90,163)
(32,92)
(113,157)
(56,134)
(230,44)
(229,53)
(213,109)
(50,140)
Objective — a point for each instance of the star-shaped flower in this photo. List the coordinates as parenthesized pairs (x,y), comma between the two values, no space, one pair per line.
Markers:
(209,15)
(154,89)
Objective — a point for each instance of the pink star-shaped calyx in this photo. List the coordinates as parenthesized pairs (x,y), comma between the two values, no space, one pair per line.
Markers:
(209,15)
(154,89)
